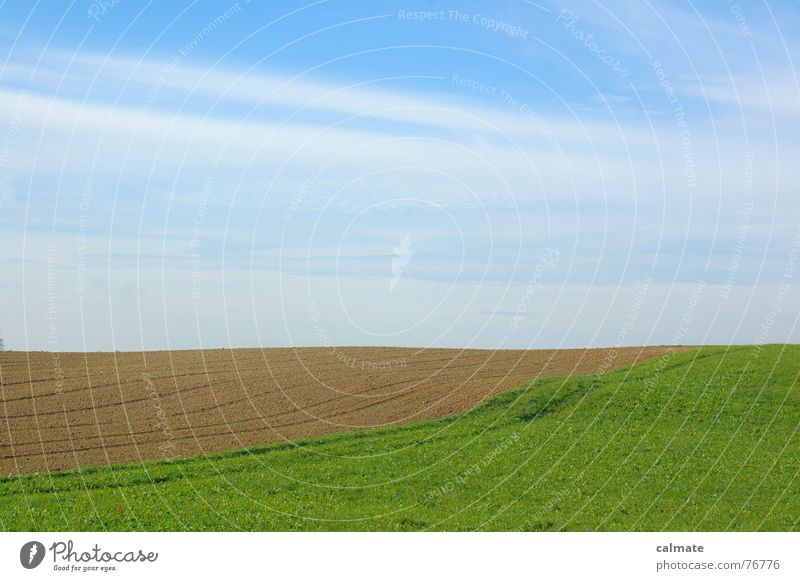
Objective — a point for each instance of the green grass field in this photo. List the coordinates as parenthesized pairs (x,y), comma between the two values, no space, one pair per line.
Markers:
(702,440)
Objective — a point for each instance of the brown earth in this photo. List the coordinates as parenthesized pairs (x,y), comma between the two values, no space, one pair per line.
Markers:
(65,410)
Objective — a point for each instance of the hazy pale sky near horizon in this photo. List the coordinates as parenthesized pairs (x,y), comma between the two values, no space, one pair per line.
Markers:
(455,174)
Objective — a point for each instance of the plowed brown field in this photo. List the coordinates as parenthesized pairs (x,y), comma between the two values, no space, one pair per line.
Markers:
(61,411)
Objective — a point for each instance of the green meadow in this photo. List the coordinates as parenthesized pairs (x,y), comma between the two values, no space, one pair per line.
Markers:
(698,440)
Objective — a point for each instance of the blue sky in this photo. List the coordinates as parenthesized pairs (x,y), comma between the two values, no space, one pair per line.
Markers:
(513,174)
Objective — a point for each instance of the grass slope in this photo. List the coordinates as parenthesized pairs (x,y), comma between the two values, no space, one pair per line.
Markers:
(704,440)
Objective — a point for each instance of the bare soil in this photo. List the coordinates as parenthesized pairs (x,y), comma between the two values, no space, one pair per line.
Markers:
(66,410)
